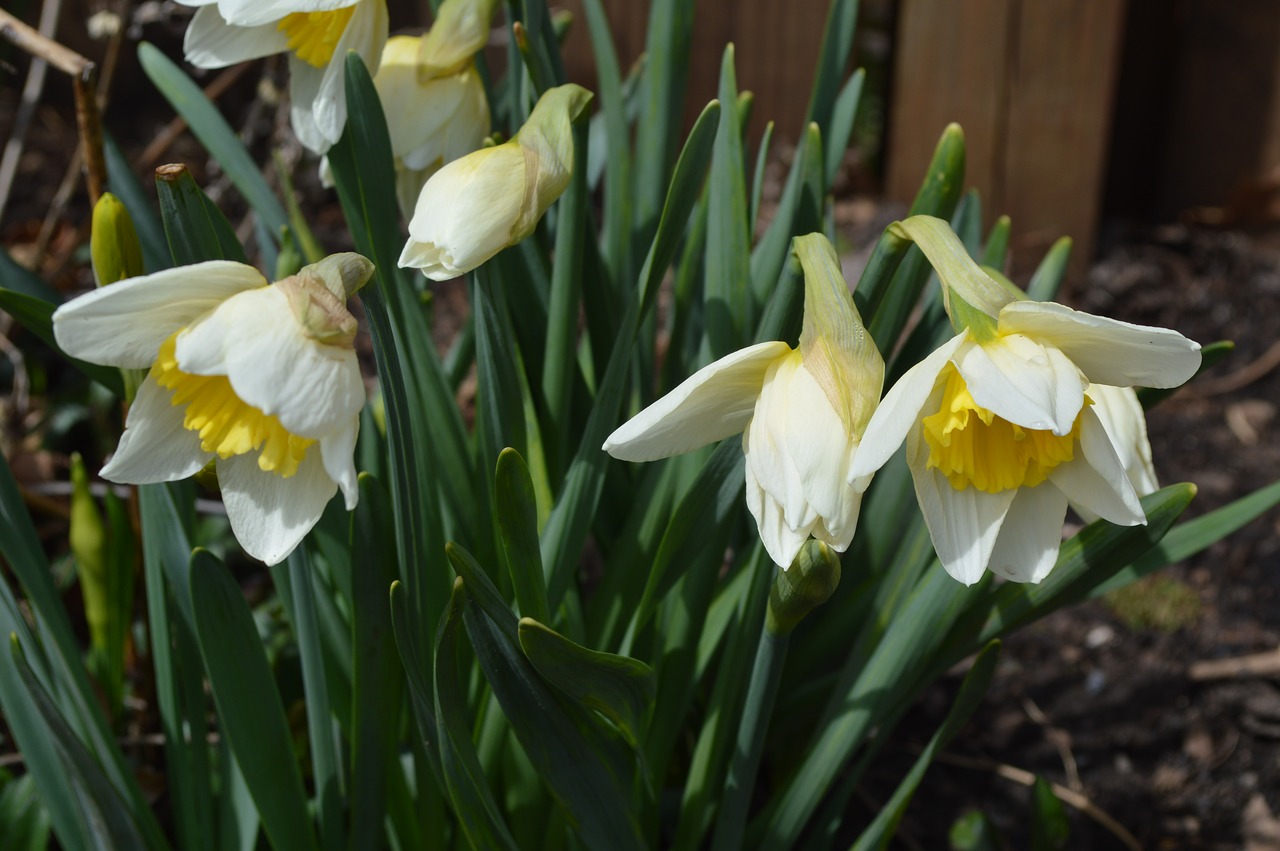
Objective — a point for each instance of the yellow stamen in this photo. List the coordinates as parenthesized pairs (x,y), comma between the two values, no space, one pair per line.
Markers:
(313,36)
(972,446)
(227,425)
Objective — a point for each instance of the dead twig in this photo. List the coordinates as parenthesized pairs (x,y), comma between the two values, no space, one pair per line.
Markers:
(1254,665)
(1069,797)
(1061,740)
(1242,377)
(83,75)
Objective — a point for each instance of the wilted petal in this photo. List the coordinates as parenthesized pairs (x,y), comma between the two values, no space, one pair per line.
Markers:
(1027,547)
(1108,351)
(269,514)
(124,324)
(713,403)
(257,343)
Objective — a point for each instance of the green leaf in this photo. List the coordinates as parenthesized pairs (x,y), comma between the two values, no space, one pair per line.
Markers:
(326,764)
(1050,830)
(250,712)
(833,61)
(214,133)
(973,832)
(890,297)
(421,417)
(589,774)
(566,528)
(996,249)
(618,687)
(667,45)
(728,305)
(23,281)
(1187,539)
(758,176)
(518,526)
(196,229)
(36,315)
(377,684)
(24,820)
(799,211)
(972,690)
(617,177)
(110,820)
(843,116)
(478,813)
(125,185)
(1048,276)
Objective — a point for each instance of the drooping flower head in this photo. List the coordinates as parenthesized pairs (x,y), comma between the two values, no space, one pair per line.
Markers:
(802,413)
(1000,429)
(316,34)
(260,378)
(494,197)
(431,122)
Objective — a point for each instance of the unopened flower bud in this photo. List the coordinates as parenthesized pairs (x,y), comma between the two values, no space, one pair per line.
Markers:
(808,583)
(113,242)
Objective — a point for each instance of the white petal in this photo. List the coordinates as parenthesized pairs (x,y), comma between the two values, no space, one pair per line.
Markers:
(155,447)
(466,212)
(337,451)
(1096,479)
(247,13)
(1121,414)
(125,323)
(318,108)
(713,403)
(211,42)
(254,340)
(821,452)
(898,413)
(963,524)
(1027,547)
(781,542)
(1106,350)
(1023,382)
(269,514)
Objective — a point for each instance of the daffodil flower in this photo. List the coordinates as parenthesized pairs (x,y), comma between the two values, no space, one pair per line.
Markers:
(261,379)
(999,423)
(802,413)
(430,122)
(316,34)
(479,204)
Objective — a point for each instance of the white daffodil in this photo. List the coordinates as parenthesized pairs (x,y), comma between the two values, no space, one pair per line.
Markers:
(317,34)
(479,204)
(260,378)
(803,412)
(431,122)
(1000,424)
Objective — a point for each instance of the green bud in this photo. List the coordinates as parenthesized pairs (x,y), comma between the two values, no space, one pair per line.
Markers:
(808,583)
(972,298)
(113,242)
(88,538)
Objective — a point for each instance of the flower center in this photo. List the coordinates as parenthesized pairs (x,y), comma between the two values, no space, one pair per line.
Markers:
(973,446)
(313,36)
(227,425)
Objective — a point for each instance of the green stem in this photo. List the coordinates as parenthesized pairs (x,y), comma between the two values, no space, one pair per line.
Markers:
(762,693)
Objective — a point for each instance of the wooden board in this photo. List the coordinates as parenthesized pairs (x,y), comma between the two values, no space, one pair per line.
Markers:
(1032,82)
